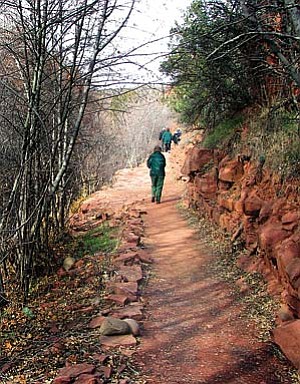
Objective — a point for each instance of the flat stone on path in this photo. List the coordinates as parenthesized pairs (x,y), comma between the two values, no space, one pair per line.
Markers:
(129,288)
(118,341)
(75,370)
(131,273)
(131,311)
(118,299)
(96,322)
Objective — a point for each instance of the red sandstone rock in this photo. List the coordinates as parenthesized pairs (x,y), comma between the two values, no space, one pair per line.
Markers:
(287,336)
(87,379)
(129,289)
(118,341)
(232,171)
(196,158)
(267,220)
(206,184)
(280,207)
(126,257)
(226,202)
(131,238)
(239,206)
(271,234)
(265,212)
(293,270)
(293,302)
(144,257)
(250,230)
(285,313)
(285,253)
(118,299)
(290,217)
(107,371)
(224,185)
(74,371)
(131,273)
(253,205)
(131,311)
(96,322)
(62,380)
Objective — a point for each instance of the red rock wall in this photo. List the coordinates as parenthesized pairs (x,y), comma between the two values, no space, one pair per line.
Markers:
(247,202)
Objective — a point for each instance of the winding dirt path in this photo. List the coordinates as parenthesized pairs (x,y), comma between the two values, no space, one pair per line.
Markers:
(193,332)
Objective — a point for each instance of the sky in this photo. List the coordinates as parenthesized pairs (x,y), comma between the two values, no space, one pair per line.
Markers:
(152,20)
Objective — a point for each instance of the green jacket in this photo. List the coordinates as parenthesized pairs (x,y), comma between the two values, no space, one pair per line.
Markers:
(167,137)
(156,162)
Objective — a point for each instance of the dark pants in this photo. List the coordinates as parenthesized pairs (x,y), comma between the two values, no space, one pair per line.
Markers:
(167,146)
(157,186)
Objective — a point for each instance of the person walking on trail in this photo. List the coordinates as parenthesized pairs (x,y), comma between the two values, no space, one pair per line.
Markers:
(177,136)
(157,163)
(160,137)
(161,133)
(166,139)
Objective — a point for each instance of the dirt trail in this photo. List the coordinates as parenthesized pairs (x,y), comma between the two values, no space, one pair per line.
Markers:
(193,332)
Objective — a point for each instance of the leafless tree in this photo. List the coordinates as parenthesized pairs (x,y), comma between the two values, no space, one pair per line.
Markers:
(51,50)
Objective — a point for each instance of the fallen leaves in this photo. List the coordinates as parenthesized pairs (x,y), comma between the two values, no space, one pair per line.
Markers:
(56,331)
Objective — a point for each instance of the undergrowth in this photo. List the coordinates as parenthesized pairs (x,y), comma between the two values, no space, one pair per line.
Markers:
(222,132)
(273,134)
(276,136)
(100,239)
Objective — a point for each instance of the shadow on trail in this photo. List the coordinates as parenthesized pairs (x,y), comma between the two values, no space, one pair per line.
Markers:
(198,341)
(170,199)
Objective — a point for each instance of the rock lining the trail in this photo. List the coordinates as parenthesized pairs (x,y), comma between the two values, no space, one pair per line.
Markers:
(118,326)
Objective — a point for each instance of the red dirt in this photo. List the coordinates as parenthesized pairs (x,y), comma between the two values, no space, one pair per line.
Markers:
(193,332)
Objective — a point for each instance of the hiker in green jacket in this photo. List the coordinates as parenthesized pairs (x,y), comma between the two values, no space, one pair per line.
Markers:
(166,140)
(157,163)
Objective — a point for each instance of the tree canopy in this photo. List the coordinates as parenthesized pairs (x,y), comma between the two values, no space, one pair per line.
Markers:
(227,55)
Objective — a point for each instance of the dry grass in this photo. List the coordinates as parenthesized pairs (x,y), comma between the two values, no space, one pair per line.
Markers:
(277,138)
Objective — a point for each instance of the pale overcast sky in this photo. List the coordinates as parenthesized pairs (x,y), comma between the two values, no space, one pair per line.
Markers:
(152,20)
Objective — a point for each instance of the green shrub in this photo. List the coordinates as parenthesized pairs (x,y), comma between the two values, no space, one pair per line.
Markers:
(222,132)
(100,239)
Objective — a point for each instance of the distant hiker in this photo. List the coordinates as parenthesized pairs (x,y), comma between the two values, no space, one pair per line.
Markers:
(177,136)
(160,137)
(157,163)
(166,139)
(161,133)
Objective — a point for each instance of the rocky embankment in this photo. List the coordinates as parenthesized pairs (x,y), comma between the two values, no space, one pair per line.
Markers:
(251,205)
